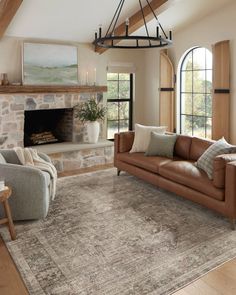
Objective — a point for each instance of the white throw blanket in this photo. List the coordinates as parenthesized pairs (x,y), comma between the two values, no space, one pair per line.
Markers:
(30,157)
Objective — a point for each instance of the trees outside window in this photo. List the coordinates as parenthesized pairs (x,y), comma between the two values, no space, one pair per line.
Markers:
(196,93)
(119,103)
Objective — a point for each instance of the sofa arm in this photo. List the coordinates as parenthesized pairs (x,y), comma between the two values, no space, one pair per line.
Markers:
(230,189)
(124,141)
(30,192)
(219,168)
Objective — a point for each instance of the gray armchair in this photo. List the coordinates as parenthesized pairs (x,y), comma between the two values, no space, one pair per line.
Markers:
(30,187)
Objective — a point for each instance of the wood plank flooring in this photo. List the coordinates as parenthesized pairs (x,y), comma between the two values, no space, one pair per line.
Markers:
(10,279)
(221,281)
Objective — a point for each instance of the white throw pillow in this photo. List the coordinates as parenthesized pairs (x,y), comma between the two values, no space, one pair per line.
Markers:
(142,137)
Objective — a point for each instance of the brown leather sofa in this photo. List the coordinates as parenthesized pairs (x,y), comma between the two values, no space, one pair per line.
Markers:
(180,175)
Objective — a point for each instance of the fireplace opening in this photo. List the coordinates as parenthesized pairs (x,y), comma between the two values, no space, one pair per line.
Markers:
(48,126)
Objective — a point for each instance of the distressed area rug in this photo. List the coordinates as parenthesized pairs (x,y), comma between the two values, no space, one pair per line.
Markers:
(118,236)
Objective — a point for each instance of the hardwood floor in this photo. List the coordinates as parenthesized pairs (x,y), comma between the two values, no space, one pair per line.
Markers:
(220,281)
(10,279)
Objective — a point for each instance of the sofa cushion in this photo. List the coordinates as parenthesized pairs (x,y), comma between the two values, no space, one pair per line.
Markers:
(205,162)
(219,167)
(161,145)
(186,173)
(152,164)
(142,137)
(198,147)
(182,147)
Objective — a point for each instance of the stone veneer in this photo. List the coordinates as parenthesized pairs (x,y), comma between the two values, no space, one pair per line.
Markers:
(12,127)
(98,154)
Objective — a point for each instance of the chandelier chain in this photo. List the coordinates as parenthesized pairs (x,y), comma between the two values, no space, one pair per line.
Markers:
(108,30)
(144,20)
(157,19)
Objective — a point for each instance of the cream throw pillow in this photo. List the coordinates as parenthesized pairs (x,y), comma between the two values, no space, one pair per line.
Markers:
(142,137)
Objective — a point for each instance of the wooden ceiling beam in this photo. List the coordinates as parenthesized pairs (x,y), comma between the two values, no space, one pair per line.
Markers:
(136,21)
(8,9)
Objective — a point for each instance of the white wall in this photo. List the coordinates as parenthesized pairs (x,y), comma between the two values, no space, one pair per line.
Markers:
(216,27)
(10,63)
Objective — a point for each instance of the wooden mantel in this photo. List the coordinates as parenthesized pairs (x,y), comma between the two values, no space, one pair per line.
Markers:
(51,89)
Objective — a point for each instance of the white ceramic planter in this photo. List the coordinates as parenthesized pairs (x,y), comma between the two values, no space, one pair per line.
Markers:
(93,129)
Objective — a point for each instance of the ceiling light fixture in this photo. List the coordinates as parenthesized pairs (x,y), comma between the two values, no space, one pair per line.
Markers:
(112,39)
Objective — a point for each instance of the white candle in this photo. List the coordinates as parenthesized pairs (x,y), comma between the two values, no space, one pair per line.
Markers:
(87,78)
(95,76)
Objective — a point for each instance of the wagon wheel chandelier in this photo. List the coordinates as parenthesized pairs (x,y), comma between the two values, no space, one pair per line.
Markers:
(111,39)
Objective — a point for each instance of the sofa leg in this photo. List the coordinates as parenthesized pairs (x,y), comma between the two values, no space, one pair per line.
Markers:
(118,172)
(232,221)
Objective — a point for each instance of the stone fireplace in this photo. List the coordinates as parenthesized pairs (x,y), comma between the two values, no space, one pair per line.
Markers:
(18,109)
(15,107)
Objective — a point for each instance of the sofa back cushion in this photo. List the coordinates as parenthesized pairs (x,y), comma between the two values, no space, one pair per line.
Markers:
(182,147)
(198,147)
(125,141)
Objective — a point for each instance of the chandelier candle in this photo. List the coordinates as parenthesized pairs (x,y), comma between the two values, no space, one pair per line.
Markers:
(95,76)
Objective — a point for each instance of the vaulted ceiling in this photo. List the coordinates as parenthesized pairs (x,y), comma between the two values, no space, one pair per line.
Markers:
(77,20)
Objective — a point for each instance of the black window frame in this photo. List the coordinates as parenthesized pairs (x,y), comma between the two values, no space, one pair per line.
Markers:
(130,100)
(192,93)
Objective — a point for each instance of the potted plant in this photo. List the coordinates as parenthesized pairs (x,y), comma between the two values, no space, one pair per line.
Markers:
(90,112)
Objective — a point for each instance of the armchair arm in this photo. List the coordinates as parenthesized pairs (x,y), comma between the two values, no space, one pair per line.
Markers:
(124,141)
(230,189)
(10,156)
(30,192)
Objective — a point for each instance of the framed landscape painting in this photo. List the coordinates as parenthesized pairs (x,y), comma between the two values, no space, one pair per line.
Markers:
(49,64)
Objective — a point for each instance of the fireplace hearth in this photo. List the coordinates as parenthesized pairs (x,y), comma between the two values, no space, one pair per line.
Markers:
(48,126)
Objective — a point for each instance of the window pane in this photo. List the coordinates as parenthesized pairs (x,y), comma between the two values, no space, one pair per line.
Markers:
(209,105)
(209,128)
(186,125)
(124,89)
(187,64)
(124,125)
(208,81)
(112,91)
(199,62)
(199,81)
(208,59)
(124,110)
(112,76)
(199,126)
(112,128)
(199,104)
(186,82)
(124,77)
(112,111)
(186,104)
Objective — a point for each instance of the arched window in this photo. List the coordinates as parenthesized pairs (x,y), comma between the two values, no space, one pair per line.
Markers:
(196,93)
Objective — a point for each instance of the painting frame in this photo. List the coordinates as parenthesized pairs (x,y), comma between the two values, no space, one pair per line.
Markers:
(49,64)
